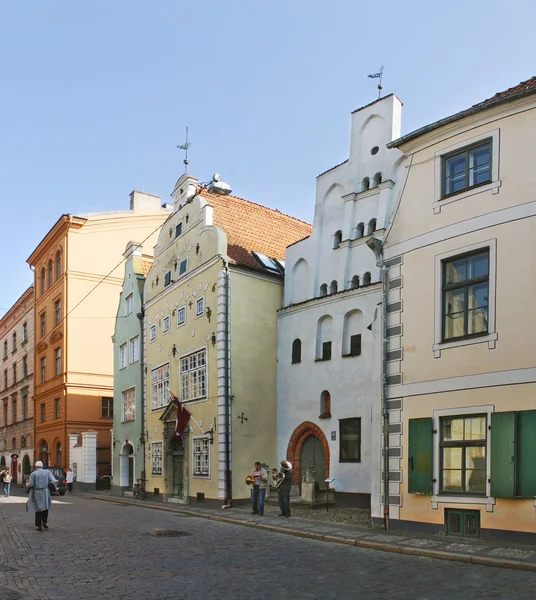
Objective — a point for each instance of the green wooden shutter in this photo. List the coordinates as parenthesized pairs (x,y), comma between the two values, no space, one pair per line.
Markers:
(503,438)
(526,454)
(420,464)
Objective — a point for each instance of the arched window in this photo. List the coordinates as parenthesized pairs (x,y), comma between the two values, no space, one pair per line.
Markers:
(351,336)
(325,405)
(58,264)
(365,184)
(359,231)
(299,282)
(23,441)
(366,278)
(371,227)
(323,338)
(50,273)
(355,282)
(337,239)
(43,453)
(324,290)
(296,351)
(58,454)
(43,280)
(333,288)
(377,180)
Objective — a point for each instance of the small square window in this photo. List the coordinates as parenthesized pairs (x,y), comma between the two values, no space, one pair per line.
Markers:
(181,316)
(152,333)
(199,307)
(165,325)
(167,279)
(467,168)
(183,266)
(326,351)
(107,407)
(355,344)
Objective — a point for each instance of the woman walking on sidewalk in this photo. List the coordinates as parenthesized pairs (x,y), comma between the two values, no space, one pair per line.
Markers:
(6,479)
(39,501)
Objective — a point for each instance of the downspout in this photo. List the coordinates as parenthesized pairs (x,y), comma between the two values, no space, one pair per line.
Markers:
(227,354)
(141,316)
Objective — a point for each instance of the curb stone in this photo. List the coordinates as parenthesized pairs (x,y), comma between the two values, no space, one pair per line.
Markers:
(379,546)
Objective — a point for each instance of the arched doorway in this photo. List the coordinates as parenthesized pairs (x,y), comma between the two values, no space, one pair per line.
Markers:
(312,460)
(126,466)
(43,453)
(176,451)
(316,451)
(14,468)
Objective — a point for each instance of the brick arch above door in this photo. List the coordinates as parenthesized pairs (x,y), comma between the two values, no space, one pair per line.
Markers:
(297,439)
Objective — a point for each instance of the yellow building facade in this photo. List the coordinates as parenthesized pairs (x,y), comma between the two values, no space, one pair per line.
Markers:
(211,338)
(461,368)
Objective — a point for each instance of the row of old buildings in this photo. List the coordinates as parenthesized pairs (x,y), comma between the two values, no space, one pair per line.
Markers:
(384,349)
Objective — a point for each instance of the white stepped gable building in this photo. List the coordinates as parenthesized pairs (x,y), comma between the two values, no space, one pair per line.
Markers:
(329,348)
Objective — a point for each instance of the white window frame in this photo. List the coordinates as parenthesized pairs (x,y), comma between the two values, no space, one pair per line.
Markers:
(123,356)
(185,262)
(438,498)
(199,301)
(165,324)
(188,382)
(494,184)
(134,349)
(132,403)
(157,449)
(159,388)
(181,310)
(152,333)
(200,449)
(129,304)
(492,336)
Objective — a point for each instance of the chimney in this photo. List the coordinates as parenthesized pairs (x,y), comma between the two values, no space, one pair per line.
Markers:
(143,201)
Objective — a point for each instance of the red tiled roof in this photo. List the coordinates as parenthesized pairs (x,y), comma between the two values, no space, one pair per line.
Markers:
(252,227)
(147,263)
(525,88)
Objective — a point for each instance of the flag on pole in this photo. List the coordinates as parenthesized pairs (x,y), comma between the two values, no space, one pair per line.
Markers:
(183,416)
(375,75)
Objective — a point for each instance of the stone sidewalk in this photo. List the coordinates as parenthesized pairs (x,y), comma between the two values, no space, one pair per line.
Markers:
(440,547)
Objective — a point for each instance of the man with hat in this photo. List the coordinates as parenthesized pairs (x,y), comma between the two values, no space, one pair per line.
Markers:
(283,491)
(39,501)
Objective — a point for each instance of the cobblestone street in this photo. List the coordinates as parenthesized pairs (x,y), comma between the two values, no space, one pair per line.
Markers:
(97,549)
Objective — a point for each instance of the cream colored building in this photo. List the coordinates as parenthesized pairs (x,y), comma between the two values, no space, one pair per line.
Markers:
(211,298)
(17,385)
(78,277)
(461,357)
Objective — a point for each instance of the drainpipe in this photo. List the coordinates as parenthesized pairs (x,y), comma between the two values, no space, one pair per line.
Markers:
(141,316)
(376,246)
(228,384)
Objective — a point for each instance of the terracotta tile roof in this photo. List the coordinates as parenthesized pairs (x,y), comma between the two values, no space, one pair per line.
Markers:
(252,227)
(147,263)
(525,88)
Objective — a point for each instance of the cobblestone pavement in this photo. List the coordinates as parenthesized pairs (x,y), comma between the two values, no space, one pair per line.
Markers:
(98,549)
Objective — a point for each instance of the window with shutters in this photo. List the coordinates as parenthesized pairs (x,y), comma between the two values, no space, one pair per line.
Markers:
(420,455)
(463,454)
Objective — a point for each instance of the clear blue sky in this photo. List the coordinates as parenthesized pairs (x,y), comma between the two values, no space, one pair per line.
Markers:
(95,95)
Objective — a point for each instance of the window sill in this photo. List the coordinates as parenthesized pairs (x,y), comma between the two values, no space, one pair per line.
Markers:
(326,415)
(350,355)
(322,359)
(490,339)
(446,499)
(350,460)
(493,186)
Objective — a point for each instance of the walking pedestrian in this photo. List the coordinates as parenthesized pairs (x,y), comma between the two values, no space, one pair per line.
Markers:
(6,479)
(259,475)
(39,500)
(69,478)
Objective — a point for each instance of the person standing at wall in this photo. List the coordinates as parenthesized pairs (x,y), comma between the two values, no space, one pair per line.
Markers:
(258,492)
(39,501)
(69,478)
(6,479)
(283,491)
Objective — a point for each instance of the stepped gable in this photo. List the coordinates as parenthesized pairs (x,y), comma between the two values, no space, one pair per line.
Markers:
(252,227)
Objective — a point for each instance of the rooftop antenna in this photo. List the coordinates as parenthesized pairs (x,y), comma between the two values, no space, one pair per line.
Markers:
(185,147)
(379,76)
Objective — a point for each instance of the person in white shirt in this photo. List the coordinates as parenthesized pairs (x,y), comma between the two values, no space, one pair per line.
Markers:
(69,479)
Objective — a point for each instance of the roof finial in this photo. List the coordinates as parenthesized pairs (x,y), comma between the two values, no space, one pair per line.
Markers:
(185,147)
(379,76)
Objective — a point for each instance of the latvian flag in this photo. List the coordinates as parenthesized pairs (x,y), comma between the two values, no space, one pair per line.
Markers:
(183,416)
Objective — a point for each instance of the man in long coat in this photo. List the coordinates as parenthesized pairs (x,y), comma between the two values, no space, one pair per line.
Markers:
(39,500)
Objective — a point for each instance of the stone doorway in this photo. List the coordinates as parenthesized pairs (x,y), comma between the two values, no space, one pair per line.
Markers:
(176,453)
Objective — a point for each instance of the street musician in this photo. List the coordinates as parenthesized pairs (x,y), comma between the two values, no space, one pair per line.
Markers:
(283,479)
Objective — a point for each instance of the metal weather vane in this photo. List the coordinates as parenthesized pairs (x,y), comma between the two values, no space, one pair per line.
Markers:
(185,147)
(379,76)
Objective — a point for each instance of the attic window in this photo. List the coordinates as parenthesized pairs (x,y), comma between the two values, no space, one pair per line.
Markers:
(272,265)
